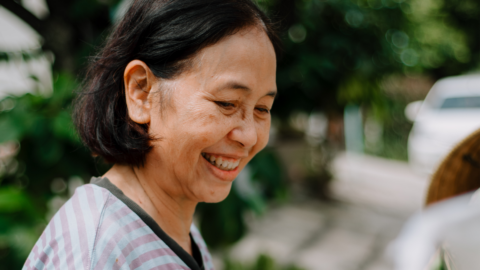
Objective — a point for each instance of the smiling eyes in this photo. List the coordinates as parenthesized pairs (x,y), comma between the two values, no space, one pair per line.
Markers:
(225,105)
(262,110)
(231,106)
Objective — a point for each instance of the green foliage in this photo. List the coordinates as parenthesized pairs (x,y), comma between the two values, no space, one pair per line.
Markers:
(338,52)
(268,177)
(222,223)
(48,149)
(329,43)
(263,262)
(396,129)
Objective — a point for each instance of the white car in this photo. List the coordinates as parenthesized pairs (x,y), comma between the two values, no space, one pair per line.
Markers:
(450,112)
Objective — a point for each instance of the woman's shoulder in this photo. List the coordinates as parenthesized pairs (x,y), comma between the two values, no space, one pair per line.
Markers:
(96,230)
(71,231)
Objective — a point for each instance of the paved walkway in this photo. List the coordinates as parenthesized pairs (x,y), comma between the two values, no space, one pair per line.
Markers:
(374,199)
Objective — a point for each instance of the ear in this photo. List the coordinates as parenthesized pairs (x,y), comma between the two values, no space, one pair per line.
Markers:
(138,80)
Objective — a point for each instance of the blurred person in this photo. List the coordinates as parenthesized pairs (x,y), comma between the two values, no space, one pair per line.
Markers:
(446,232)
(443,236)
(179,101)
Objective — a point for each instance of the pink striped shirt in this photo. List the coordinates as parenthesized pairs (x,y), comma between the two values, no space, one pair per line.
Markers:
(100,228)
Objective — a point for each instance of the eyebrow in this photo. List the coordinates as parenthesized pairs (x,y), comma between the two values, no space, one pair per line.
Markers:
(236,85)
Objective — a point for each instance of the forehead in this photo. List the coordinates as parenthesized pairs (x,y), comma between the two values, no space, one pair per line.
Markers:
(247,56)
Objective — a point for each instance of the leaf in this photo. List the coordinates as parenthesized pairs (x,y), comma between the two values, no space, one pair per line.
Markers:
(12,200)
(8,130)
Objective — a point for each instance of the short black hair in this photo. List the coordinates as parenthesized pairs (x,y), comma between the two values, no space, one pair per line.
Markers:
(165,34)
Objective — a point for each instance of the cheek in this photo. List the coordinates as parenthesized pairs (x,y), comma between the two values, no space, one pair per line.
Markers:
(204,127)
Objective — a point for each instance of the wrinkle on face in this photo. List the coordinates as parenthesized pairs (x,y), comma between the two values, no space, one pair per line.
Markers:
(192,122)
(162,96)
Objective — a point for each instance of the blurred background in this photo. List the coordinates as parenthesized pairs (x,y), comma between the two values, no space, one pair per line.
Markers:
(340,175)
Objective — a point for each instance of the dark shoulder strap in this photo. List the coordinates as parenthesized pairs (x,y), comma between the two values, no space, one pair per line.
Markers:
(195,262)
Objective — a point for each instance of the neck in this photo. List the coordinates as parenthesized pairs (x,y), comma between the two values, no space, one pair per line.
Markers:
(166,205)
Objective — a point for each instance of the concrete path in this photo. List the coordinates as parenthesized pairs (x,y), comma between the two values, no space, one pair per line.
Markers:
(374,199)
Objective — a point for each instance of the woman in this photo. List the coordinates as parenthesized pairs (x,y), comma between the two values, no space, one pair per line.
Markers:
(179,101)
(445,234)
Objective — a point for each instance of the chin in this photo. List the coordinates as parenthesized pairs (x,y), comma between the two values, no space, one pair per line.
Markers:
(216,195)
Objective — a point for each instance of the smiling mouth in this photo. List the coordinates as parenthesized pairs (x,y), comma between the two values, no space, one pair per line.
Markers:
(221,163)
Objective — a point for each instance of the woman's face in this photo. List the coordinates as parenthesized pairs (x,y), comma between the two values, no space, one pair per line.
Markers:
(215,118)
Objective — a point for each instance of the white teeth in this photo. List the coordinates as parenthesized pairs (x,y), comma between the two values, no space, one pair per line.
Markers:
(220,163)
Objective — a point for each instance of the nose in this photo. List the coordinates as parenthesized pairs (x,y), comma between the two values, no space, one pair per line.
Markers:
(245,133)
